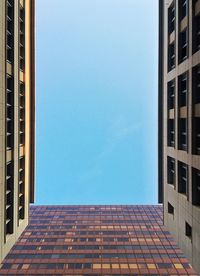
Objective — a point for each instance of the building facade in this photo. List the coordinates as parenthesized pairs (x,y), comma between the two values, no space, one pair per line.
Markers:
(96,240)
(17,123)
(179,122)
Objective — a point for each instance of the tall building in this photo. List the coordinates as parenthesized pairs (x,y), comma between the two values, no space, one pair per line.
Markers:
(179,122)
(17,122)
(96,240)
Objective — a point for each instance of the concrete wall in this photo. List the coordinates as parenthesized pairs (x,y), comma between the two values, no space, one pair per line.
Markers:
(7,241)
(184,211)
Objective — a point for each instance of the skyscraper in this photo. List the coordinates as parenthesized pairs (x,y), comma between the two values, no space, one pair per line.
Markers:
(17,119)
(179,122)
(96,240)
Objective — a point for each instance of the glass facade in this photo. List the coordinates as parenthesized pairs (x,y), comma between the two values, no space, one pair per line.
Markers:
(96,240)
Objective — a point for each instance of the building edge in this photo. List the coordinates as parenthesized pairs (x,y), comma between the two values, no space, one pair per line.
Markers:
(32,111)
(160,100)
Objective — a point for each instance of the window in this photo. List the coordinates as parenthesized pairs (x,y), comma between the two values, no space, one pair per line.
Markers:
(171,170)
(171,18)
(164,265)
(182,178)
(9,199)
(170,209)
(195,28)
(182,90)
(182,143)
(171,94)
(21,114)
(21,38)
(196,135)
(21,188)
(196,84)
(188,230)
(195,186)
(106,266)
(183,8)
(171,133)
(183,45)
(171,56)
(9,111)
(10,31)
(96,266)
(178,266)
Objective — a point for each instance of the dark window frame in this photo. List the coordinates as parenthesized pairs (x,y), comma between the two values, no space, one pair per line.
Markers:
(183,134)
(195,187)
(183,45)
(170,209)
(182,178)
(183,89)
(171,132)
(171,170)
(171,92)
(188,230)
(196,135)
(195,29)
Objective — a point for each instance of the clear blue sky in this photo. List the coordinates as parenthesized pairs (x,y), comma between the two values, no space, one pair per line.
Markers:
(96,101)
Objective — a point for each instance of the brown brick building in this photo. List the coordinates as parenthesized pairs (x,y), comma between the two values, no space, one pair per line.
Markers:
(96,240)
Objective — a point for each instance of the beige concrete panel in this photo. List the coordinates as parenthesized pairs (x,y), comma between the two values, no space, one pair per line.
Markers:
(9,155)
(171,114)
(183,112)
(172,37)
(9,68)
(196,58)
(21,151)
(197,7)
(21,76)
(183,23)
(22,3)
(197,110)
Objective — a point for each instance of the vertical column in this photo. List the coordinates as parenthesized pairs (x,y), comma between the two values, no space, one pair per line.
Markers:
(9,117)
(2,121)
(22,122)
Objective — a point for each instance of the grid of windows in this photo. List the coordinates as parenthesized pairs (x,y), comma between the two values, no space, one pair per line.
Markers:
(96,240)
(9,124)
(21,176)
(179,117)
